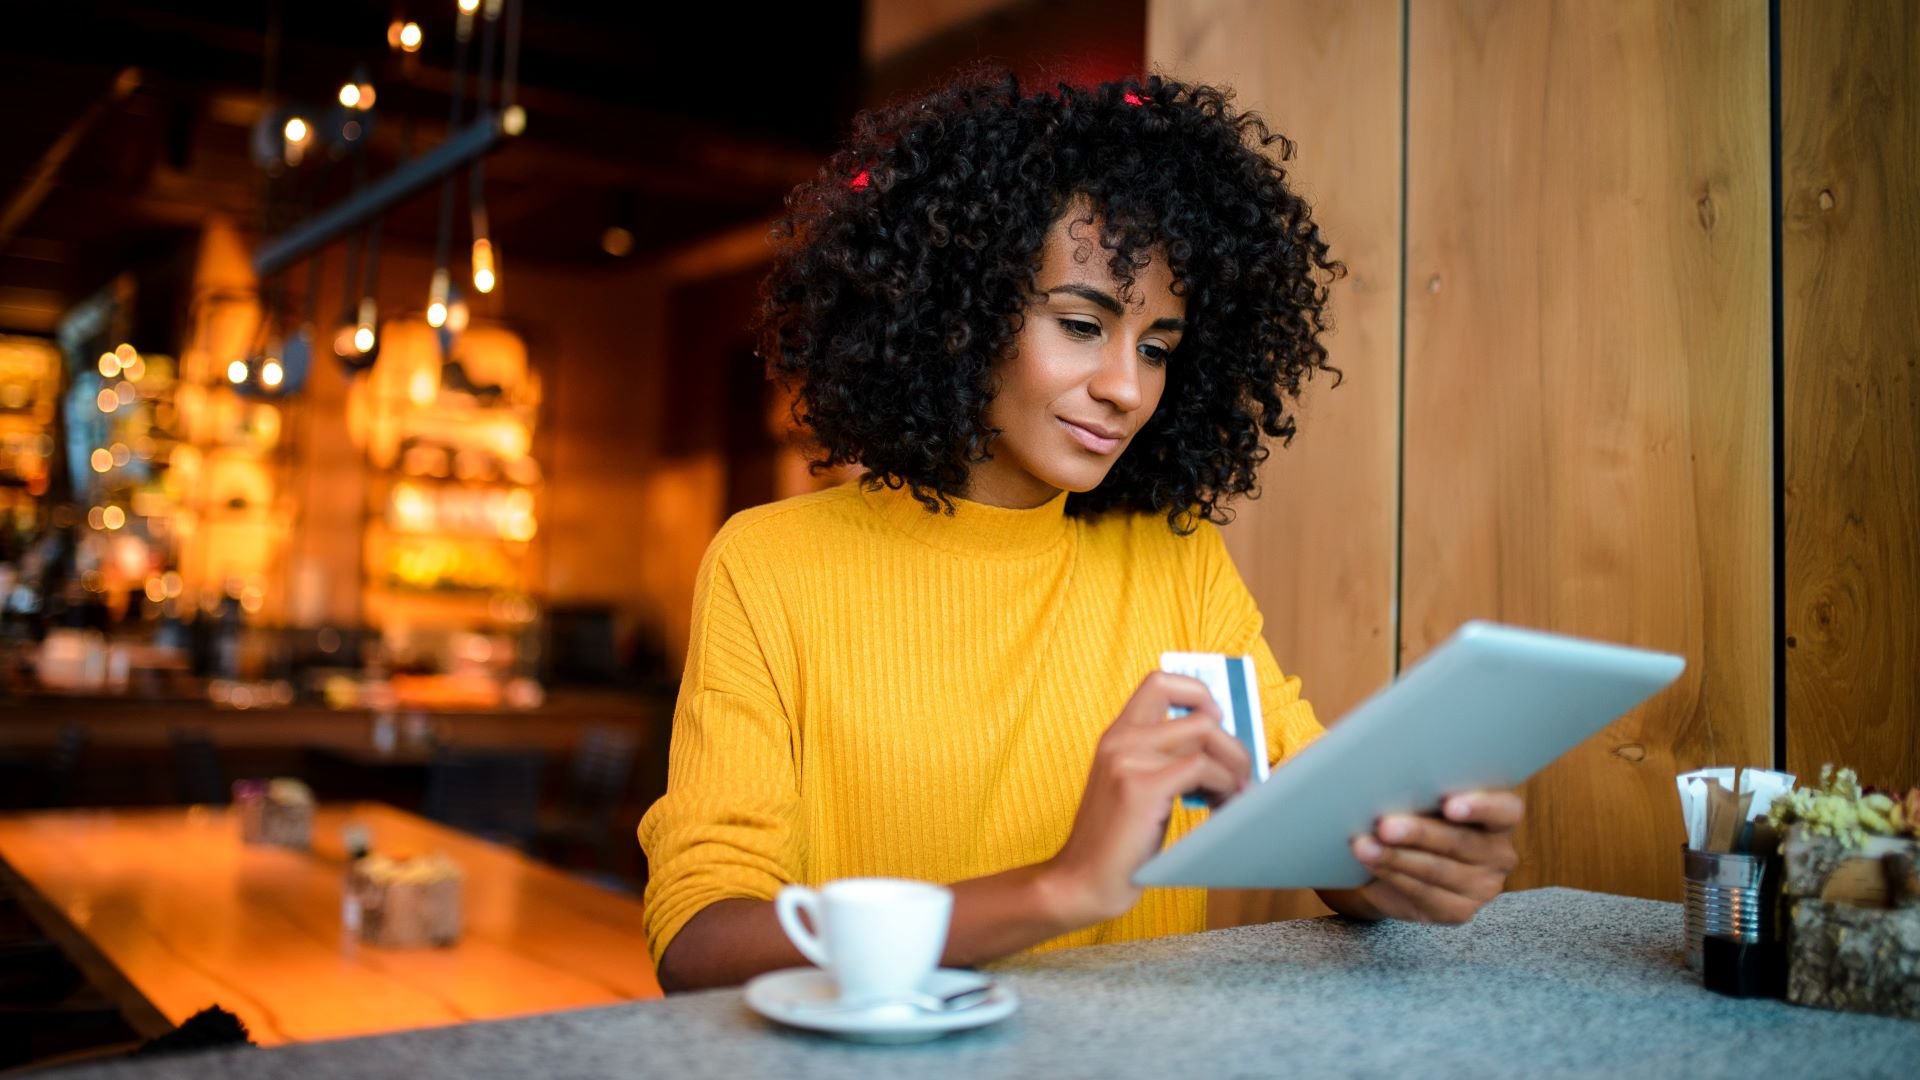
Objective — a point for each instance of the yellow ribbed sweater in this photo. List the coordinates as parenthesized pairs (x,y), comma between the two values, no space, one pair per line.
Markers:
(874,690)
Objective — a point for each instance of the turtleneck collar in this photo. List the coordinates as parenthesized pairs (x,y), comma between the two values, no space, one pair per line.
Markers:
(974,528)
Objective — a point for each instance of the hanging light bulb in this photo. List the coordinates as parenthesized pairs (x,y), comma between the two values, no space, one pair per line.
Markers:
(364,338)
(297,133)
(485,276)
(357,92)
(408,36)
(458,315)
(237,372)
(468,7)
(272,374)
(437,299)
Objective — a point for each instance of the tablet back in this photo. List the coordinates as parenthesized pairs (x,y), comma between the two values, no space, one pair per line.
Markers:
(1491,706)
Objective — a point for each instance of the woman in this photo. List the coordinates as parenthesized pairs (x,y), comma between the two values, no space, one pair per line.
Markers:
(1054,330)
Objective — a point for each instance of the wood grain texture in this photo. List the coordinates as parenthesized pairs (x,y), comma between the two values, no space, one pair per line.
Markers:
(1587,443)
(1850,155)
(1317,547)
(193,918)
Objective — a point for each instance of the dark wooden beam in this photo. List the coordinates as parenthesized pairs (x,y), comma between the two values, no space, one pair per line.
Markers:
(456,152)
(39,179)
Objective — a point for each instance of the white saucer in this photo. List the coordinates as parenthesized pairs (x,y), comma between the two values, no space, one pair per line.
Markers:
(803,998)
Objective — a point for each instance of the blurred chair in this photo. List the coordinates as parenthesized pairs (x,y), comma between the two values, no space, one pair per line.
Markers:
(580,649)
(61,782)
(597,782)
(31,967)
(20,777)
(494,794)
(197,775)
(49,1012)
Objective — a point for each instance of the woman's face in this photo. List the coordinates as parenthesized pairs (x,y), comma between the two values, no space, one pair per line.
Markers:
(1085,372)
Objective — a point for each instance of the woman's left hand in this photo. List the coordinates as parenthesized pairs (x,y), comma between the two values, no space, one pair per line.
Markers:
(1441,869)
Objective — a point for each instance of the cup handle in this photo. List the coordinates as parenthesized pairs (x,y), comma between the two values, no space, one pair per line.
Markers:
(787,905)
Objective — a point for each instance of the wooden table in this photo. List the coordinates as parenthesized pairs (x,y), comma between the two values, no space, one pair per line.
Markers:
(193,917)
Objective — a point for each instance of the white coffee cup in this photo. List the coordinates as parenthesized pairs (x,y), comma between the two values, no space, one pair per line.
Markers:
(878,937)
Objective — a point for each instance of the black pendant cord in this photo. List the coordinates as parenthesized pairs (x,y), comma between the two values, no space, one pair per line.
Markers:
(373,230)
(350,295)
(273,290)
(444,240)
(476,176)
(272,302)
(311,301)
(372,275)
(269,99)
(310,308)
(270,61)
(510,77)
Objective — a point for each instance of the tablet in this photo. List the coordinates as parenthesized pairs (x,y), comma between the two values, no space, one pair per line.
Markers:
(1491,706)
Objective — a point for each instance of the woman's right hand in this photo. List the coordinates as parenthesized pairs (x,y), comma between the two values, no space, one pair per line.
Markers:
(1143,763)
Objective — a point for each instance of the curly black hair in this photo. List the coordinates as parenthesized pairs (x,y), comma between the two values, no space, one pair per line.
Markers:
(903,270)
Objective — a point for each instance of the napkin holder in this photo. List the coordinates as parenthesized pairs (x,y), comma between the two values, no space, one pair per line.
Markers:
(274,812)
(406,903)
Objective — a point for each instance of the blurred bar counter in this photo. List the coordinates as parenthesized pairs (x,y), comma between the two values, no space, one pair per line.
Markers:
(35,719)
(63,750)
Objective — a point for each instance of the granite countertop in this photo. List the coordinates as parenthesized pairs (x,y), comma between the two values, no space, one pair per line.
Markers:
(1552,981)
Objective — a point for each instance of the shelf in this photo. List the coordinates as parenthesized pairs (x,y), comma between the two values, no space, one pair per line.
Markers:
(452,608)
(378,522)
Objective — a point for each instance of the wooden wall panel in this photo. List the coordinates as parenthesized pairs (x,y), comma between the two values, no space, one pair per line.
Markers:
(1587,444)
(1317,548)
(1850,155)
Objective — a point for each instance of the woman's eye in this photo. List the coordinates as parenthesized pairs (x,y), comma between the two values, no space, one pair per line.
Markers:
(1155,355)
(1077,328)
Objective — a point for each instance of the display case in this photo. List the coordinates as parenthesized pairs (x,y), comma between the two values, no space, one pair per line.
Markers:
(451,533)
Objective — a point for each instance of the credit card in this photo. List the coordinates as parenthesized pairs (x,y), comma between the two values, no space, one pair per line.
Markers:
(1236,693)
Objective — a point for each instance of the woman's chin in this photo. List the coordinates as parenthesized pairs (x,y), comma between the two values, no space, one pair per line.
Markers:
(1078,479)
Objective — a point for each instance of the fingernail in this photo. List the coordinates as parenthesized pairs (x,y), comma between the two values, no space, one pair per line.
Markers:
(1459,809)
(1394,830)
(1366,849)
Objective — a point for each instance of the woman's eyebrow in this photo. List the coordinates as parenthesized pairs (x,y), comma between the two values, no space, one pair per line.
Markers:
(1111,304)
(1092,296)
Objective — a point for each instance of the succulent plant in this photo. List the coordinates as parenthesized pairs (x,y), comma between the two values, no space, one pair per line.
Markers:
(1840,808)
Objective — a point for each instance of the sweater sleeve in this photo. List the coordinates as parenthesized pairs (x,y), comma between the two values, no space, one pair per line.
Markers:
(729,824)
(1232,624)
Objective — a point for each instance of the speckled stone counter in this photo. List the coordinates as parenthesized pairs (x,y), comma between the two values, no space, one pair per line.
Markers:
(1553,982)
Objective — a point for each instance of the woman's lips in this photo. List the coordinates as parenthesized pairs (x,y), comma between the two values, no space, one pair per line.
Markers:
(1092,440)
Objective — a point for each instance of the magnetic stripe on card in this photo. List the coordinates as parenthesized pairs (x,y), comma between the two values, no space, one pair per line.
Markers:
(1243,726)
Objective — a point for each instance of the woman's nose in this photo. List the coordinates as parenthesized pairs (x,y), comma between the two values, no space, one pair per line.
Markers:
(1117,382)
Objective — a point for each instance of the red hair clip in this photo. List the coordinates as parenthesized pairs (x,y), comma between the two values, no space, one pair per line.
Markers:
(1132,98)
(860,181)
